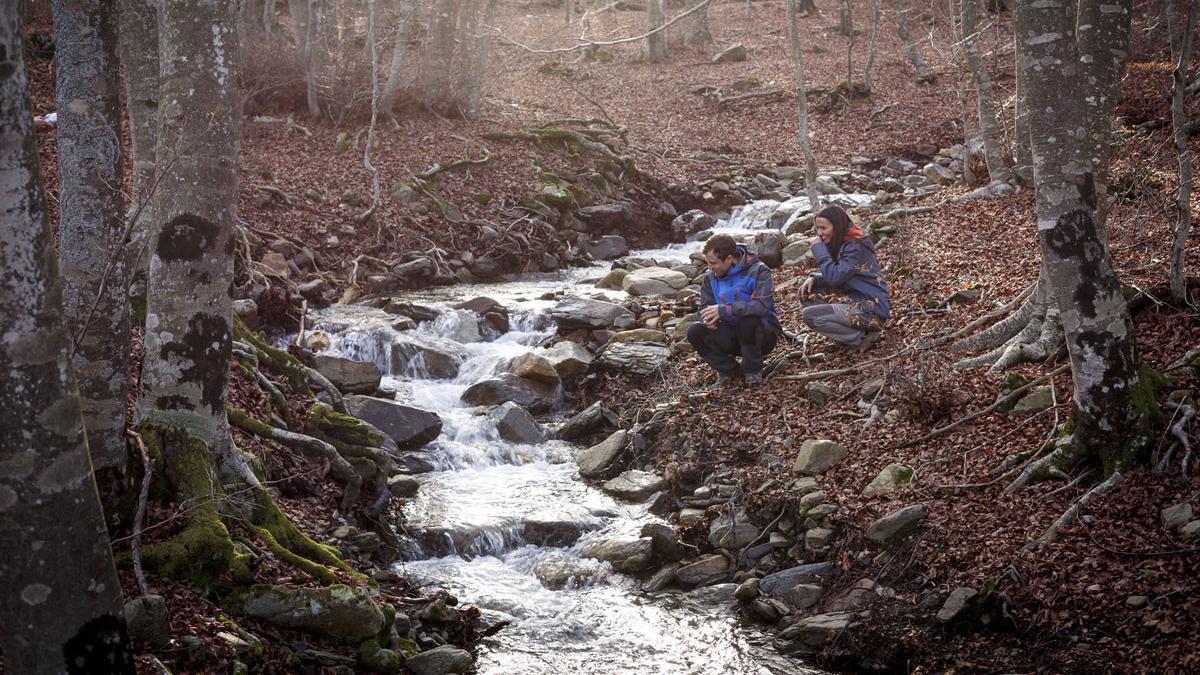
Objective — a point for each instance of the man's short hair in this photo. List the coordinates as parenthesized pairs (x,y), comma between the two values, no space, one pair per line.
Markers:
(721,245)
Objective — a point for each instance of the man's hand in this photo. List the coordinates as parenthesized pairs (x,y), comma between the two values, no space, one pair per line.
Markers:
(806,288)
(710,315)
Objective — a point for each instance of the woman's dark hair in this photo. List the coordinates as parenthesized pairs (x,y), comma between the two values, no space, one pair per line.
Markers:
(841,225)
(721,245)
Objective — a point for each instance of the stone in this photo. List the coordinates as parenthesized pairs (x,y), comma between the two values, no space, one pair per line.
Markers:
(569,359)
(247,310)
(415,312)
(716,595)
(889,480)
(442,660)
(426,356)
(803,596)
(537,397)
(811,499)
(461,326)
(559,573)
(654,281)
(414,269)
(1041,398)
(795,252)
(664,540)
(768,246)
(148,620)
(578,312)
(516,424)
(377,660)
(349,376)
(689,516)
(632,555)
(818,455)
(664,577)
(640,335)
(409,427)
(691,222)
(732,531)
(601,457)
(638,358)
(586,422)
(612,280)
(734,53)
(403,487)
(534,367)
(702,569)
(1191,530)
(810,634)
(634,485)
(938,174)
(817,538)
(606,247)
(854,598)
(779,583)
(1174,516)
(339,612)
(606,216)
(896,525)
(747,590)
(956,603)
(805,485)
(1137,601)
(818,393)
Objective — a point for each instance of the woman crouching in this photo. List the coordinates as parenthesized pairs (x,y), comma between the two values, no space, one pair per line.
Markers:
(847,300)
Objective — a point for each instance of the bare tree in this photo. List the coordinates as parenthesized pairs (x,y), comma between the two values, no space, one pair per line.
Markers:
(989,126)
(92,227)
(960,82)
(845,19)
(1021,152)
(692,29)
(138,42)
(656,41)
(387,99)
(914,52)
(1181,16)
(810,162)
(373,50)
(480,42)
(875,15)
(61,606)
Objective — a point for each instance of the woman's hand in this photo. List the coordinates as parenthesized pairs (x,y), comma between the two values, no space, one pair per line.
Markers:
(813,241)
(806,288)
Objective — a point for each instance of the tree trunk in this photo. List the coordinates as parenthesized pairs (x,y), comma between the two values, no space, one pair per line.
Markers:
(845,20)
(61,605)
(373,51)
(810,162)
(139,61)
(1022,153)
(92,229)
(876,11)
(1181,16)
(298,9)
(437,61)
(316,52)
(692,29)
(387,99)
(1103,71)
(656,44)
(481,48)
(989,126)
(1111,405)
(914,52)
(960,81)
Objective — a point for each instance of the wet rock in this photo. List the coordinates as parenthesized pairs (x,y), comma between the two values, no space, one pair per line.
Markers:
(417,313)
(638,358)
(691,222)
(515,424)
(1174,516)
(556,532)
(403,487)
(810,634)
(747,591)
(664,541)
(732,54)
(409,427)
(956,603)
(460,326)
(716,595)
(662,578)
(568,359)
(337,611)
(732,531)
(578,312)
(482,305)
(897,524)
(654,281)
(531,366)
(606,216)
(640,335)
(414,462)
(426,356)
(779,583)
(601,457)
(702,569)
(634,485)
(817,455)
(612,280)
(350,377)
(606,247)
(627,556)
(532,395)
(585,423)
(442,660)
(689,516)
(890,479)
(559,573)
(148,620)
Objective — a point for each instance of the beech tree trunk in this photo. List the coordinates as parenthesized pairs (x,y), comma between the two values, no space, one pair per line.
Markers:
(810,162)
(92,228)
(875,14)
(692,29)
(1181,15)
(139,62)
(61,606)
(989,126)
(1111,404)
(387,100)
(1021,152)
(656,44)
(481,54)
(845,19)
(914,52)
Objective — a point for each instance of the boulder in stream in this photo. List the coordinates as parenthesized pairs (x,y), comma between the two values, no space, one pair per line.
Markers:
(534,367)
(349,376)
(426,356)
(599,458)
(577,312)
(585,423)
(529,394)
(654,281)
(634,485)
(702,569)
(337,611)
(410,427)
(516,424)
(568,358)
(442,660)
(632,555)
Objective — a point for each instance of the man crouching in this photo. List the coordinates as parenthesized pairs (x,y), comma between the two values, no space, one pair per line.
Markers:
(737,312)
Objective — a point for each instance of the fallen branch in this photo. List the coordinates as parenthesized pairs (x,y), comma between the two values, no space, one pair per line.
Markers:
(729,100)
(590,44)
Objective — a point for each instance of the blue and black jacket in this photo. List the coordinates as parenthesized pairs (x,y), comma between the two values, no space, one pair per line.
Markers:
(746,291)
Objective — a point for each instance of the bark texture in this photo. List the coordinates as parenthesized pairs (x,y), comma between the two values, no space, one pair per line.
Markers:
(656,44)
(989,125)
(139,62)
(876,11)
(387,99)
(1110,403)
(845,18)
(92,227)
(914,52)
(1182,17)
(692,29)
(60,611)
(810,162)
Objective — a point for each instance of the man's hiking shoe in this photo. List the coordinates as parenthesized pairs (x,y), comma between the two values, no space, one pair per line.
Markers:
(726,381)
(753,379)
(869,340)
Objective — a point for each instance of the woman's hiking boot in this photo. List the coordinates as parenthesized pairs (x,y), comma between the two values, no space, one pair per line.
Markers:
(869,340)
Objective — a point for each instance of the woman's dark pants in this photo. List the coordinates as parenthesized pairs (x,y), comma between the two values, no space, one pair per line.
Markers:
(719,346)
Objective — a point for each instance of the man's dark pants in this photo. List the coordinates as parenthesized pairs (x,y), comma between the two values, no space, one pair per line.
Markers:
(748,338)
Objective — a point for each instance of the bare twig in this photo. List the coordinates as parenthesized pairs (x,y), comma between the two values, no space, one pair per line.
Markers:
(135,544)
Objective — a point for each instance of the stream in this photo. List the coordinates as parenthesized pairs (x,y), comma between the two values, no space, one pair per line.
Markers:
(504,526)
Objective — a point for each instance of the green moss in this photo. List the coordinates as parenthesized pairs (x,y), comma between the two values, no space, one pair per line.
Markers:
(137,309)
(277,359)
(336,428)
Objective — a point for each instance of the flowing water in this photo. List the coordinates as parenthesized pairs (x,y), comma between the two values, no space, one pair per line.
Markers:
(503,525)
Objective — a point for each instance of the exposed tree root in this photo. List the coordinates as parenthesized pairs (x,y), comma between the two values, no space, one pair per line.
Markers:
(1032,333)
(300,376)
(1061,458)
(1072,513)
(1184,413)
(580,140)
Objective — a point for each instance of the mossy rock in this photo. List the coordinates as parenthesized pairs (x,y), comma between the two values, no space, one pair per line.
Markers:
(1012,382)
(582,197)
(746,83)
(375,659)
(599,181)
(337,611)
(556,195)
(819,49)
(342,144)
(315,196)
(351,198)
(483,198)
(449,210)
(324,419)
(403,193)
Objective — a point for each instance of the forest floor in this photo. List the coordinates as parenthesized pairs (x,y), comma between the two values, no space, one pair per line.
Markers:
(1061,608)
